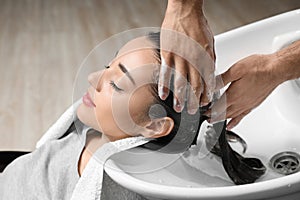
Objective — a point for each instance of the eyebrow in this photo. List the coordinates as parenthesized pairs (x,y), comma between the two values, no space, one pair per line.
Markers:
(125,71)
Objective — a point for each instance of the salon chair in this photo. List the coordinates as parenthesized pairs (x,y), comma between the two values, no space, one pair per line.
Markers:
(7,157)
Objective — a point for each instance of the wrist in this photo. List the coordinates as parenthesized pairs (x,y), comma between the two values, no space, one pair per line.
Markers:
(287,61)
(186,2)
(180,5)
(276,67)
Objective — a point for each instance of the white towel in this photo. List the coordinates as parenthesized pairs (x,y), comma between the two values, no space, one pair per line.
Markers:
(90,183)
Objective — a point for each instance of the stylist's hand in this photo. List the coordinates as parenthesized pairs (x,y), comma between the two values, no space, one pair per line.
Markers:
(186,17)
(252,80)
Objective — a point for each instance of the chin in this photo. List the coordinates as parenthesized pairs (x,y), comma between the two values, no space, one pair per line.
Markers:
(86,116)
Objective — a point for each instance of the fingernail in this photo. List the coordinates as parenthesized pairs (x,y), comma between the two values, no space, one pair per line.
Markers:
(192,111)
(177,106)
(210,96)
(229,127)
(202,104)
(161,93)
(163,62)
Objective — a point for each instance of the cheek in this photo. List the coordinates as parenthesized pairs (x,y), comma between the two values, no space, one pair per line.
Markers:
(86,115)
(121,113)
(103,109)
(112,113)
(139,105)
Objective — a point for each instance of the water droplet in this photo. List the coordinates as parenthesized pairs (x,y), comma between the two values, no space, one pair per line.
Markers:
(289,185)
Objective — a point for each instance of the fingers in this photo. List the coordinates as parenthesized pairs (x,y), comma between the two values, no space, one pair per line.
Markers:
(223,79)
(219,108)
(194,91)
(204,100)
(224,107)
(180,81)
(194,55)
(234,111)
(165,75)
(180,84)
(196,87)
(235,121)
(222,110)
(229,76)
(219,82)
(236,116)
(207,70)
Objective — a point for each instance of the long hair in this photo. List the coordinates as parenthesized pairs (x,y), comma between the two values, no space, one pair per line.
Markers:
(186,126)
(241,170)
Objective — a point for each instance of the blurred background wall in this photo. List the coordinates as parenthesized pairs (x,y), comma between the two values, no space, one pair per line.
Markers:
(43,43)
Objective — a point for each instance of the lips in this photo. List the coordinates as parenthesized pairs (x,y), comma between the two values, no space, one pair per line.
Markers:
(87,100)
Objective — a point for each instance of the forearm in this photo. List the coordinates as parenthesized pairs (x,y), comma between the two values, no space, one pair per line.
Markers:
(287,62)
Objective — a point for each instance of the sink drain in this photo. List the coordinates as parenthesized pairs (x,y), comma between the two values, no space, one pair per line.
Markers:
(285,162)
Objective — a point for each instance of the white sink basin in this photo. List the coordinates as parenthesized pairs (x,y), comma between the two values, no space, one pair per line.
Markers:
(271,128)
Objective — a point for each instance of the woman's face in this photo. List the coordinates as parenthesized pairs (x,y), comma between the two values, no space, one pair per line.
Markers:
(118,98)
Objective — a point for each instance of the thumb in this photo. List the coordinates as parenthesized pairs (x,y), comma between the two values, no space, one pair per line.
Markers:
(223,79)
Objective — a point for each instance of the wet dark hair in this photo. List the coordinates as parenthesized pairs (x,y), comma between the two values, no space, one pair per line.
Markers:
(241,170)
(186,126)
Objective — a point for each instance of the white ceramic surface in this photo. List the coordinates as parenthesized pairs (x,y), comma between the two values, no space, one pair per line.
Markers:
(271,128)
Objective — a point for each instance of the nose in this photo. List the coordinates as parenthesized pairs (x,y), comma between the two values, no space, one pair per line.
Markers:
(95,80)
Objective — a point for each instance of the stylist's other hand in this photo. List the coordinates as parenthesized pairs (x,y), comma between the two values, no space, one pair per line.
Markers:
(187,18)
(252,80)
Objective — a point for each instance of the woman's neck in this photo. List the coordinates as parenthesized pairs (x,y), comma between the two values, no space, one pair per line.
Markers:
(94,141)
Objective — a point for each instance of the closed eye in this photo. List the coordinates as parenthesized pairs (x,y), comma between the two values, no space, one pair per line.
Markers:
(115,87)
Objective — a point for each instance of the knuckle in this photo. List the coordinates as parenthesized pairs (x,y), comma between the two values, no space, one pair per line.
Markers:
(192,105)
(180,76)
(197,88)
(179,84)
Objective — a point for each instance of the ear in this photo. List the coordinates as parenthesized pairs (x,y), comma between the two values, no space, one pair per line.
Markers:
(158,127)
